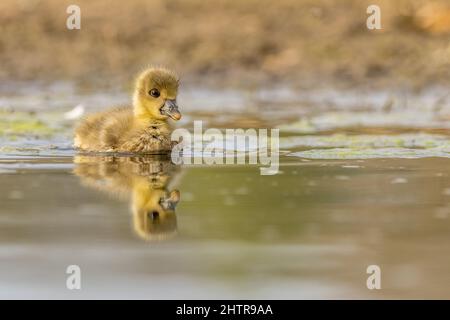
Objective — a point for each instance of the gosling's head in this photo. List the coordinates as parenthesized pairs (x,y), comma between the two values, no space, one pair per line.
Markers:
(155,95)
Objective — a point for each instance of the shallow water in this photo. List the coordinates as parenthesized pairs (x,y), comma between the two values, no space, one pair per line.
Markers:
(352,191)
(308,232)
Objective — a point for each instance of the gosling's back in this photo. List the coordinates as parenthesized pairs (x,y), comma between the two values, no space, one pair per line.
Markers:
(104,131)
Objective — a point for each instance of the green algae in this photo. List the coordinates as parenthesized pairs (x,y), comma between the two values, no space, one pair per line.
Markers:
(24,127)
(16,124)
(349,153)
(418,119)
(29,133)
(418,140)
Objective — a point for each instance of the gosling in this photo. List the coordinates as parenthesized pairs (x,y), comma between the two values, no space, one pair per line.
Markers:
(142,128)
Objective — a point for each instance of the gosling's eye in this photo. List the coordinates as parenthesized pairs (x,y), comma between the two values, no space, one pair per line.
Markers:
(154,93)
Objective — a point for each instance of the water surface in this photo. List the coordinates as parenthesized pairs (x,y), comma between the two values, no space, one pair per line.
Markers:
(308,232)
(370,187)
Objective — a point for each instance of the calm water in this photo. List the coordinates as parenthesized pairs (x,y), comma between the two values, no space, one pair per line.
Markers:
(359,184)
(224,231)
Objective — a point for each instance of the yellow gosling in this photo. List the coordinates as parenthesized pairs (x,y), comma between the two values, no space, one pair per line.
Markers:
(142,128)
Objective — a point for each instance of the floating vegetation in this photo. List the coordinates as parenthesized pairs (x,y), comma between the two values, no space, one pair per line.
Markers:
(14,125)
(341,146)
(349,153)
(334,120)
(420,140)
(29,133)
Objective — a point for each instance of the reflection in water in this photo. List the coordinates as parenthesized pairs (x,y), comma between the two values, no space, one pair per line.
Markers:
(309,232)
(144,181)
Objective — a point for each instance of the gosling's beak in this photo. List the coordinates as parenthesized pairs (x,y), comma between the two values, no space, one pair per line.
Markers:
(170,108)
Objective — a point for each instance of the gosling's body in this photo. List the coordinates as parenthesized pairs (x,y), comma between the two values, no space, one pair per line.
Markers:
(118,130)
(140,128)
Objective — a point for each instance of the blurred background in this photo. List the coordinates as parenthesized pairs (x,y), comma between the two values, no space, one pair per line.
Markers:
(235,43)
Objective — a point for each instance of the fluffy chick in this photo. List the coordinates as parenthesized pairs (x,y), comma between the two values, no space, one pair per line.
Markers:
(142,128)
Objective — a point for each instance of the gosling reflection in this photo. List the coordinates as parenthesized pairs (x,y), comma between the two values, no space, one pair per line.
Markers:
(144,181)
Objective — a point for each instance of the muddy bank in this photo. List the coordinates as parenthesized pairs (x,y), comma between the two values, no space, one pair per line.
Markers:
(235,43)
